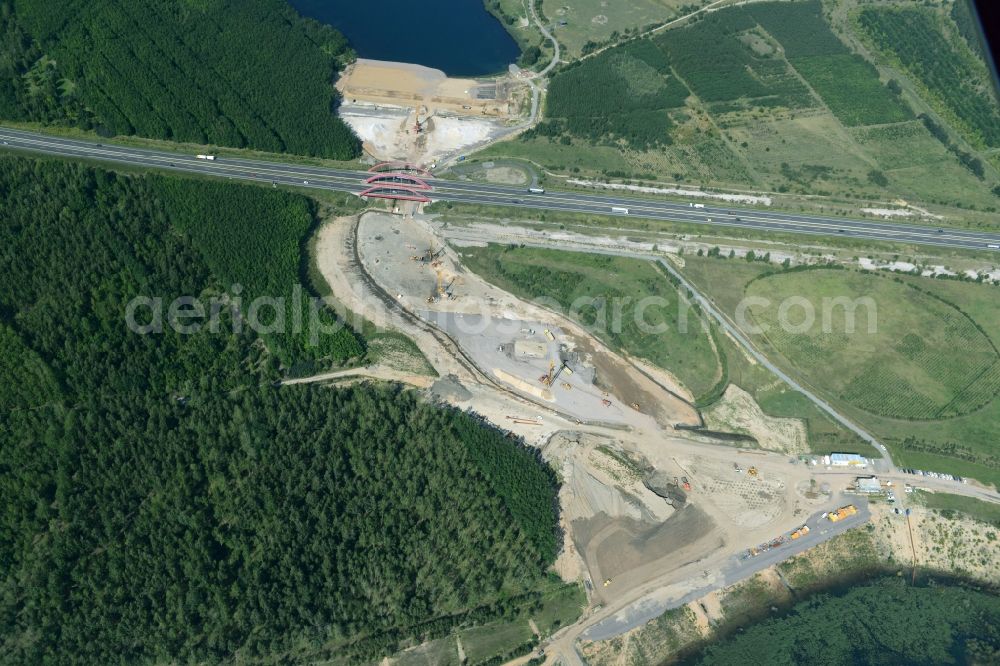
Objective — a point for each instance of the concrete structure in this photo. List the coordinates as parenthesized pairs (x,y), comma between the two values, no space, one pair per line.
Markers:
(399,192)
(845,460)
(407,180)
(868,484)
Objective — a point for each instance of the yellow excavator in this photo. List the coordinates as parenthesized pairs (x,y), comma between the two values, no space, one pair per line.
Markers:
(548,377)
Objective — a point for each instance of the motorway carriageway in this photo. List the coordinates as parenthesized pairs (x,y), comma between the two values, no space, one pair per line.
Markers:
(344,180)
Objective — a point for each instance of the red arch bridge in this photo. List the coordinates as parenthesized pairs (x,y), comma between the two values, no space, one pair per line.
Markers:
(399,192)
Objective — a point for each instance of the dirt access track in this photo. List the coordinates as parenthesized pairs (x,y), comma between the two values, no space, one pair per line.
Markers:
(512,341)
(633,545)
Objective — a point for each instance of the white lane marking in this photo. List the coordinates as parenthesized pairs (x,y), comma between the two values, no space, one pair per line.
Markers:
(659,211)
(203,167)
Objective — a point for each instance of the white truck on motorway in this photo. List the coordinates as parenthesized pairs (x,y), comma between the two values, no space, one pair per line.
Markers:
(619,209)
(694,205)
(536,190)
(210,158)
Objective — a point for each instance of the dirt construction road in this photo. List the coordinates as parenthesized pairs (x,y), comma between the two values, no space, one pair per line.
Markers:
(639,552)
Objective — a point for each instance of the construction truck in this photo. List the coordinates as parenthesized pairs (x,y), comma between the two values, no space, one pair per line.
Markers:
(801,532)
(842,512)
(606,402)
(684,480)
(558,372)
(752,471)
(549,336)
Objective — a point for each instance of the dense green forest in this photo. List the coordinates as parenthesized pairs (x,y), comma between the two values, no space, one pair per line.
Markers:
(240,73)
(164,502)
(886,622)
(963,13)
(631,90)
(950,74)
(639,89)
(252,240)
(731,70)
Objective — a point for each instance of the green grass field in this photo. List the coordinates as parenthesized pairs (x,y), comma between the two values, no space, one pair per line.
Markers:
(918,166)
(441,652)
(589,286)
(986,512)
(704,370)
(902,353)
(802,153)
(901,146)
(560,608)
(516,19)
(489,640)
(723,280)
(955,432)
(597,21)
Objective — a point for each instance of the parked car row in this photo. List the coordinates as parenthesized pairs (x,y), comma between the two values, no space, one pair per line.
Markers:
(935,475)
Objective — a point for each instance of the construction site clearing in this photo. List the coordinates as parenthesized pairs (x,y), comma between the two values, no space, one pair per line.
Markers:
(530,350)
(417,114)
(404,84)
(652,512)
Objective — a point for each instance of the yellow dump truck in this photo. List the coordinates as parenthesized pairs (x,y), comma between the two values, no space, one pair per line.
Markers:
(842,512)
(801,532)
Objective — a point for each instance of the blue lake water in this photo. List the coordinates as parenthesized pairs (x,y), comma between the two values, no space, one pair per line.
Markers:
(457,36)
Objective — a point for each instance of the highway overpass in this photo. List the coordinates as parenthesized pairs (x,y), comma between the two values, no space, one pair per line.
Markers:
(345,180)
